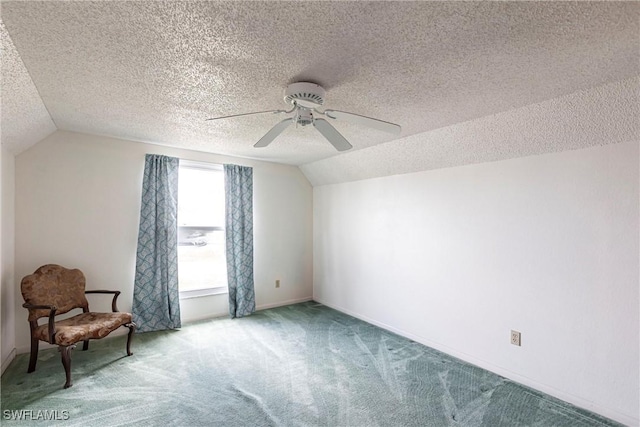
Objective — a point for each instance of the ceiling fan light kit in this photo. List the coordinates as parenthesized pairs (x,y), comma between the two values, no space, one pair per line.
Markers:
(305,98)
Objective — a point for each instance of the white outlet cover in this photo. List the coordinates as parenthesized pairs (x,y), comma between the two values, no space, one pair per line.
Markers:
(516,338)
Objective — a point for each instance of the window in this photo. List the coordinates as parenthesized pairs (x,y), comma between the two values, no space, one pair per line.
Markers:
(202,268)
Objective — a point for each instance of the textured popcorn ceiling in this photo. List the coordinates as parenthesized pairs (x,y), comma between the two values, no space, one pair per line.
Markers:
(153,71)
(24,120)
(603,115)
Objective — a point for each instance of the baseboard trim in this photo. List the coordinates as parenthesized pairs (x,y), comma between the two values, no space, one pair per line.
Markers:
(567,397)
(258,308)
(206,317)
(7,361)
(283,303)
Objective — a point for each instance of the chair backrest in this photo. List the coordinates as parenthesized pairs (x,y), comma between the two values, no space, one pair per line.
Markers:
(55,285)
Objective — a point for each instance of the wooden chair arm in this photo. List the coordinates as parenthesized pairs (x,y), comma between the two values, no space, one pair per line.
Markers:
(52,317)
(114,307)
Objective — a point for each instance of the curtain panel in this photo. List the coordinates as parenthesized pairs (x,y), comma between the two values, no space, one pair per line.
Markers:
(238,185)
(156,301)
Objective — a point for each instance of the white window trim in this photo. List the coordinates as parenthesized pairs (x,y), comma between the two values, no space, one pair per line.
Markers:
(192,164)
(197,293)
(219,290)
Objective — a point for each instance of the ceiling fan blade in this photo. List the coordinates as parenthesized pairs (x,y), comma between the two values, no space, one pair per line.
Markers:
(273,133)
(332,135)
(247,114)
(365,121)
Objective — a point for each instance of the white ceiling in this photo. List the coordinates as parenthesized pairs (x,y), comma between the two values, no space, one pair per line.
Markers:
(24,119)
(603,115)
(154,71)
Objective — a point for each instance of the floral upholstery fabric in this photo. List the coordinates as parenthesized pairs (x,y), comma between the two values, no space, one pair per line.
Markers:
(83,326)
(54,285)
(63,288)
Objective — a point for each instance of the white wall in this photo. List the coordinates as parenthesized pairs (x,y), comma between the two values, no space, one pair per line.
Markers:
(78,205)
(456,258)
(7,275)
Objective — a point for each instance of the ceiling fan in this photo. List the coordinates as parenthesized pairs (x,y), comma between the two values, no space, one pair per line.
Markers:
(305,98)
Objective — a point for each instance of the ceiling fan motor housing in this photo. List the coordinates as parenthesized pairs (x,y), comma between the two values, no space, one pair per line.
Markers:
(304,94)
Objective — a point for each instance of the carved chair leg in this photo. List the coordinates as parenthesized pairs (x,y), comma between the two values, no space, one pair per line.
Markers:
(34,354)
(132,328)
(66,362)
(85,346)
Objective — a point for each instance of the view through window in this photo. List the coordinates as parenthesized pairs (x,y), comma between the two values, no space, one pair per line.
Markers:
(202,266)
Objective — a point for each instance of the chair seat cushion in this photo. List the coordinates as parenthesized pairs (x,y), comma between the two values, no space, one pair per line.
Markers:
(83,326)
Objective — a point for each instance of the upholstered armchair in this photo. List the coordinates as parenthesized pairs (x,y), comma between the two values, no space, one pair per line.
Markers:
(53,290)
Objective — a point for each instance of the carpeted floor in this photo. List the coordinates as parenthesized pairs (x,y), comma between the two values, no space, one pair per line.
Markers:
(300,365)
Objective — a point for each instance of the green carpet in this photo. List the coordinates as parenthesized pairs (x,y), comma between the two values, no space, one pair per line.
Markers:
(300,365)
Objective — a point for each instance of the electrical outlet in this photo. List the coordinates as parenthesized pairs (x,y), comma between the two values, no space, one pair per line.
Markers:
(277,283)
(515,338)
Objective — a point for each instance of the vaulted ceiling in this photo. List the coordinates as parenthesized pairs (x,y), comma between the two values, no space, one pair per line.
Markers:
(154,71)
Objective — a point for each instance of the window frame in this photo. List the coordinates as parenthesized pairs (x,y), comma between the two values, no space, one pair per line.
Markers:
(217,290)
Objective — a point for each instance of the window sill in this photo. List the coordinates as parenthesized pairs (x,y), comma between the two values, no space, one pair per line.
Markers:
(197,293)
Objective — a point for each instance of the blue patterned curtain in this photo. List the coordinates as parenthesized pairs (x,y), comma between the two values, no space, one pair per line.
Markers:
(238,186)
(156,303)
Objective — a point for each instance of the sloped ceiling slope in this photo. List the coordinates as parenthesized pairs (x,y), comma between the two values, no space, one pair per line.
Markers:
(154,71)
(24,120)
(604,115)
